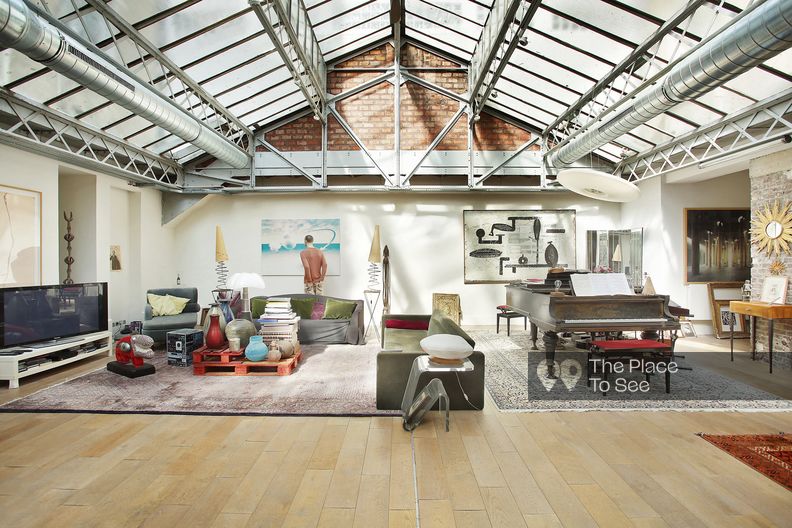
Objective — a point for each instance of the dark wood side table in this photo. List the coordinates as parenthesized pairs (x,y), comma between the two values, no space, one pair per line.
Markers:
(509,316)
(755,309)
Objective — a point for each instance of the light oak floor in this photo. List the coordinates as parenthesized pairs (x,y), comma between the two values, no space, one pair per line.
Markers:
(608,469)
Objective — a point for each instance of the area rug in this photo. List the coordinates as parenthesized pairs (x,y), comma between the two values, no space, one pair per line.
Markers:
(516,379)
(330,380)
(770,455)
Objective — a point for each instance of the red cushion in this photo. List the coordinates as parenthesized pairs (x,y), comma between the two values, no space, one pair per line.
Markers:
(630,344)
(406,324)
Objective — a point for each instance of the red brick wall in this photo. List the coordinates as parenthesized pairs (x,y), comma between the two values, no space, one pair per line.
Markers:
(424,112)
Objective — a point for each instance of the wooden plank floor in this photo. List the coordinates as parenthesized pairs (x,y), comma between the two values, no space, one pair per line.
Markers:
(608,469)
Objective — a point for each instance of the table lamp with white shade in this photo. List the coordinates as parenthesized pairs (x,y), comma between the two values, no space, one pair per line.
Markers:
(243,326)
(374,259)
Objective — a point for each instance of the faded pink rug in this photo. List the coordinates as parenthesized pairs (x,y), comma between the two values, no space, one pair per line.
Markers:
(337,380)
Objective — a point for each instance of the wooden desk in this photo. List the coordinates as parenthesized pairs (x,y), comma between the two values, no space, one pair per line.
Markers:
(768,311)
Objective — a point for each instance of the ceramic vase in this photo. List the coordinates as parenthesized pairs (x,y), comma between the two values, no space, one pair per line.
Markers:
(214,309)
(286,348)
(214,336)
(274,352)
(243,328)
(256,350)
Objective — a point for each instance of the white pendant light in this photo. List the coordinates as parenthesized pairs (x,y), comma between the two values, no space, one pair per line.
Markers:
(599,185)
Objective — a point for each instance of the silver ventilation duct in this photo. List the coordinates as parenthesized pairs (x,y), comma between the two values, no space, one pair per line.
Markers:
(749,42)
(25,31)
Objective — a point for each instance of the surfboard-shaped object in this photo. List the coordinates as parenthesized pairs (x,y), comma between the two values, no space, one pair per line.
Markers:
(485,253)
(551,255)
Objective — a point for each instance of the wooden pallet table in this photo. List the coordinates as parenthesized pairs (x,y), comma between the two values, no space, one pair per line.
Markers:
(223,362)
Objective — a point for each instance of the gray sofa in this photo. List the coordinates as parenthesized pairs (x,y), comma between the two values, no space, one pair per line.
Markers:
(327,331)
(400,346)
(158,327)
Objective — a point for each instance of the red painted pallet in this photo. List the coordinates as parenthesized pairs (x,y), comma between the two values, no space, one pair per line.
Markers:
(226,363)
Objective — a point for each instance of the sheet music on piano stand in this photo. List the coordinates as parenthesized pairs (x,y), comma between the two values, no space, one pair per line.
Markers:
(589,284)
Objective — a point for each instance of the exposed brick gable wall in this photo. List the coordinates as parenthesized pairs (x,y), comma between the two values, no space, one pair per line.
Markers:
(424,112)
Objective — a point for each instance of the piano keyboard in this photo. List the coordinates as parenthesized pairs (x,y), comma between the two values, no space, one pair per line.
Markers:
(616,321)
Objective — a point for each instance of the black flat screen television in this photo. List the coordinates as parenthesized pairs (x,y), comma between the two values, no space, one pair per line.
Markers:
(35,314)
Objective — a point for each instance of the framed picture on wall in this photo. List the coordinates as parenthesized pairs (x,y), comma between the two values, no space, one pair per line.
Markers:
(20,237)
(511,245)
(282,240)
(115,258)
(717,245)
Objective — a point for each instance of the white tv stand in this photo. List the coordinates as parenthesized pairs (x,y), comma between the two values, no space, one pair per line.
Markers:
(10,365)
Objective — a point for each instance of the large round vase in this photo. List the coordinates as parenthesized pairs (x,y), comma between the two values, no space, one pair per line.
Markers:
(214,335)
(256,350)
(241,328)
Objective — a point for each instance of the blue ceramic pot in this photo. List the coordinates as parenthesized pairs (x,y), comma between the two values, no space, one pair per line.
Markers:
(256,350)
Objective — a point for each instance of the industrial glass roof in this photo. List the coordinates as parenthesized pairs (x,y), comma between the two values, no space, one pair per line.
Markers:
(222,46)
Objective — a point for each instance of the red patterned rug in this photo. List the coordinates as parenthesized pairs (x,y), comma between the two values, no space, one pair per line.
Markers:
(770,455)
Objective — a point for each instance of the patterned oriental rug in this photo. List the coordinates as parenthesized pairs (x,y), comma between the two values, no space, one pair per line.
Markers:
(516,379)
(770,455)
(330,380)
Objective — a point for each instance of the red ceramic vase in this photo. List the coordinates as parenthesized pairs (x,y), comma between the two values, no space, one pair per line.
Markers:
(214,335)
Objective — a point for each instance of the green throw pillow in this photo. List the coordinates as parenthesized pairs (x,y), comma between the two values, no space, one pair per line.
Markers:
(303,306)
(335,309)
(257,306)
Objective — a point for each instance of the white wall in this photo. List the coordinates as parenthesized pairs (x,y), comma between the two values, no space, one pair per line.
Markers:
(150,246)
(660,211)
(36,173)
(422,231)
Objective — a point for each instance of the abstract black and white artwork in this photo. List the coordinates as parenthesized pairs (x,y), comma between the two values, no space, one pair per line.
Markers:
(510,245)
(20,237)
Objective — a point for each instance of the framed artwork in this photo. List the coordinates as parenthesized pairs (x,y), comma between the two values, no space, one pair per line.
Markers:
(282,240)
(510,245)
(720,293)
(721,319)
(449,304)
(718,245)
(20,237)
(687,329)
(774,290)
(115,258)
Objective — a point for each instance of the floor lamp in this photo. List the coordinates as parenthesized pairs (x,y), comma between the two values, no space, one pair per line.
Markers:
(373,291)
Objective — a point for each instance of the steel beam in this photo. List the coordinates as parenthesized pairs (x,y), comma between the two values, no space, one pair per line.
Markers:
(763,122)
(630,95)
(313,179)
(359,143)
(628,62)
(436,141)
(129,30)
(499,39)
(434,87)
(499,166)
(361,87)
(289,28)
(38,128)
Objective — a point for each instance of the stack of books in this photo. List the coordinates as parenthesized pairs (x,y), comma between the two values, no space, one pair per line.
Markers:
(278,320)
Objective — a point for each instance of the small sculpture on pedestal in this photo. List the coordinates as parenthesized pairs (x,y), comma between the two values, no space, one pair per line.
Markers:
(69,238)
(130,352)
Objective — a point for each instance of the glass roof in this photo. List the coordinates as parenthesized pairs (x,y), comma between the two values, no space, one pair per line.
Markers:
(222,46)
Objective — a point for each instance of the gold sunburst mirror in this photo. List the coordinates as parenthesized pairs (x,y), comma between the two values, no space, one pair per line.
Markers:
(771,230)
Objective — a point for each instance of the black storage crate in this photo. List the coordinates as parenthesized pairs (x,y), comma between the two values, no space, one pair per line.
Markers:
(180,346)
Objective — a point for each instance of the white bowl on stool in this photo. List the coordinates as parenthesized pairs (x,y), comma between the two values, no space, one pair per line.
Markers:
(448,349)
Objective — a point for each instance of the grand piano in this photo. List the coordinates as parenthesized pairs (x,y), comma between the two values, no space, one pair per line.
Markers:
(554,313)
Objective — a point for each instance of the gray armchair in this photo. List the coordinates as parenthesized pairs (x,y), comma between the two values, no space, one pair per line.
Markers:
(158,327)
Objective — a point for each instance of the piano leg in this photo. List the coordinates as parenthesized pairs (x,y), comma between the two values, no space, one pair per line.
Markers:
(550,341)
(534,332)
